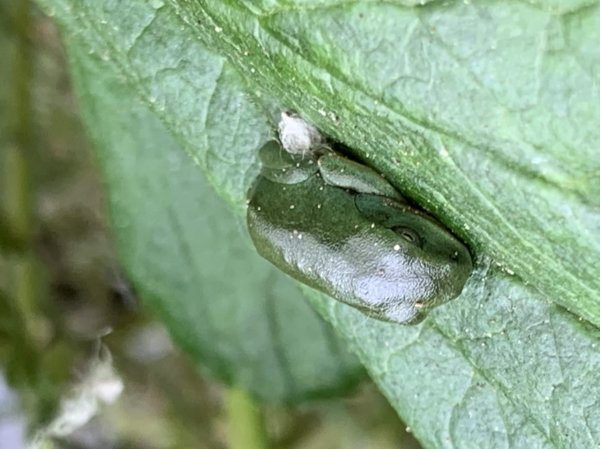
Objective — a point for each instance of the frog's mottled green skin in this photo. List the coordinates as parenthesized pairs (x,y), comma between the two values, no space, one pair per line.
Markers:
(338,226)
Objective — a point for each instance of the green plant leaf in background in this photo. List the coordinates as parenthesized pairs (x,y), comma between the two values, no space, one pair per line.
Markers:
(484,114)
(223,304)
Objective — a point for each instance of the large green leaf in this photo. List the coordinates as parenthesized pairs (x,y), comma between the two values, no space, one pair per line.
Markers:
(486,115)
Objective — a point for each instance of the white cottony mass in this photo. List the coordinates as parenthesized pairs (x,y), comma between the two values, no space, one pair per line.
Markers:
(297,135)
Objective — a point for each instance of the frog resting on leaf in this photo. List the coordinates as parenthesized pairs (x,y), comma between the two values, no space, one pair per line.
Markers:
(340,227)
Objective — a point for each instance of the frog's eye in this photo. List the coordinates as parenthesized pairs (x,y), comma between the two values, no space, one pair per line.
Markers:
(408,234)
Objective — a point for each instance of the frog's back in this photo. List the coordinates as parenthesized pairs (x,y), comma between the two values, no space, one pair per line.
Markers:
(315,233)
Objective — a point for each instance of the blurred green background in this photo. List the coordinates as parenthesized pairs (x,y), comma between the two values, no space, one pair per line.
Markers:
(62,292)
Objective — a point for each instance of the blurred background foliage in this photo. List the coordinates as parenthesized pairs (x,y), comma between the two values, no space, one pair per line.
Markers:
(61,290)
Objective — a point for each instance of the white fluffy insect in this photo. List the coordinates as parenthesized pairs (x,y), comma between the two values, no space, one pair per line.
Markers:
(297,136)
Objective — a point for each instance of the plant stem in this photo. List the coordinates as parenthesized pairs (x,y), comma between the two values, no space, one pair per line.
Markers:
(18,199)
(17,183)
(245,421)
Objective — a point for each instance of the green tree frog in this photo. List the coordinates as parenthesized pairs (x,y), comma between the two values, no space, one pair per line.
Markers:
(338,226)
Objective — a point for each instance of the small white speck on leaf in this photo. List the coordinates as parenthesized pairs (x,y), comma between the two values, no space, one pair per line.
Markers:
(396,247)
